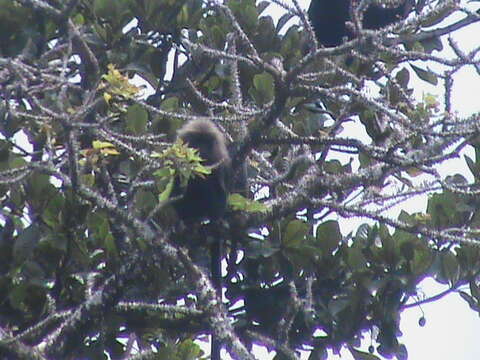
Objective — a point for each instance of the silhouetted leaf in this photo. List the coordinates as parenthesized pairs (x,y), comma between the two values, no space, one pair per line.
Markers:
(425,75)
(360,355)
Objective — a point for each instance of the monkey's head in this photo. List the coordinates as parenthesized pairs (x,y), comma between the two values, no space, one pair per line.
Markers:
(204,136)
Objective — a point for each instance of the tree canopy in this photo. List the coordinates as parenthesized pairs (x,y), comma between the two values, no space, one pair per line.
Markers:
(94,263)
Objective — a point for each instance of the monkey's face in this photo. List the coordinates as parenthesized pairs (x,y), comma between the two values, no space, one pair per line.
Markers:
(205,144)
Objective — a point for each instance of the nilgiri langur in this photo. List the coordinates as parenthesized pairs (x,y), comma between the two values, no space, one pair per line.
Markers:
(204,198)
(329,17)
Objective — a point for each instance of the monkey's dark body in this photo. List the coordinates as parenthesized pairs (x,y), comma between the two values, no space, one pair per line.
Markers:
(204,198)
(328,18)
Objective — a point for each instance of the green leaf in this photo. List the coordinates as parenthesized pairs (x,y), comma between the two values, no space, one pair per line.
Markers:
(239,203)
(263,88)
(356,260)
(472,166)
(450,268)
(432,44)
(165,194)
(136,119)
(105,8)
(17,296)
(403,77)
(145,201)
(188,350)
(246,13)
(16,161)
(97,144)
(295,233)
(53,241)
(98,225)
(78,19)
(329,236)
(110,245)
(425,75)
(200,169)
(334,167)
(422,260)
(164,172)
(441,209)
(54,212)
(170,104)
(26,242)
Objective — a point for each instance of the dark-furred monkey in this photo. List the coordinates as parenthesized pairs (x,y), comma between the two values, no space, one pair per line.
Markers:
(204,198)
(329,17)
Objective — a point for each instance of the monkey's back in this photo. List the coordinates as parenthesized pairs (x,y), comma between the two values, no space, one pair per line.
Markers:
(203,198)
